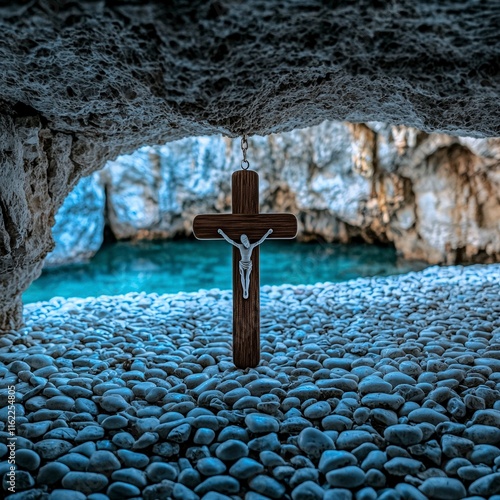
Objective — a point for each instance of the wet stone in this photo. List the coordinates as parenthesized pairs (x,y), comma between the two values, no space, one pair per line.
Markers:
(52,473)
(261,424)
(349,440)
(61,494)
(37,361)
(23,479)
(402,466)
(50,449)
(233,432)
(403,435)
(396,398)
(334,459)
(262,386)
(119,490)
(456,446)
(314,442)
(375,459)
(27,459)
(89,433)
(317,410)
(484,454)
(86,482)
(304,474)
(486,486)
(269,442)
(103,461)
(159,471)
(232,450)
(386,418)
(220,484)
(246,468)
(271,459)
(482,434)
(374,384)
(64,403)
(204,436)
(181,492)
(66,433)
(267,486)
(305,392)
(123,440)
(146,440)
(336,423)
(133,459)
(190,478)
(113,403)
(210,466)
(382,400)
(114,422)
(473,472)
(33,430)
(347,477)
(294,425)
(75,461)
(443,487)
(427,415)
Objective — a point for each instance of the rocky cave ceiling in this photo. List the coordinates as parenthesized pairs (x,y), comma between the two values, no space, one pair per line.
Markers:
(127,73)
(83,81)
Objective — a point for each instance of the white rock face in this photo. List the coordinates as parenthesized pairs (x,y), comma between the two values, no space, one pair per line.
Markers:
(433,196)
(456,206)
(79,227)
(156,192)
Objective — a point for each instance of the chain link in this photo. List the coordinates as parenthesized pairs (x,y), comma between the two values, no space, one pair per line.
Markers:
(244,148)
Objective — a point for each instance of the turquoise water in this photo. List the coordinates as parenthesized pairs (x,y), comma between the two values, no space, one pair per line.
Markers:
(189,265)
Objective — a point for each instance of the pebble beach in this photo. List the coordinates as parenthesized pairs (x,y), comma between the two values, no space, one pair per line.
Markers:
(381,388)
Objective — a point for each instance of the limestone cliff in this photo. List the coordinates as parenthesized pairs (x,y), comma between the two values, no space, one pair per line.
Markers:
(79,224)
(436,197)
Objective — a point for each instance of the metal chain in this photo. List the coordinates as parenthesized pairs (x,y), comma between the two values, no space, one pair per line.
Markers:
(244,147)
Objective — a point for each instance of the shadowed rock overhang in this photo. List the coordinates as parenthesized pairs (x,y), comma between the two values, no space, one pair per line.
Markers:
(131,72)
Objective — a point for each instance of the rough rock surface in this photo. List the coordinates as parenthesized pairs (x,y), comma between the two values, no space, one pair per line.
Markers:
(99,79)
(138,72)
(38,167)
(36,170)
(434,196)
(375,388)
(79,227)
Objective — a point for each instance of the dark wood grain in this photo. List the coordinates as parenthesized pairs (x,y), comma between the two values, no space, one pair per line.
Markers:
(255,226)
(245,192)
(246,312)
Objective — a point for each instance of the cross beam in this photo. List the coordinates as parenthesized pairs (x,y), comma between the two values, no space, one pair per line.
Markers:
(245,219)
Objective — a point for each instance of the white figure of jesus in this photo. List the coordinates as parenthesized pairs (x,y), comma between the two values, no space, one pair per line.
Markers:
(246,250)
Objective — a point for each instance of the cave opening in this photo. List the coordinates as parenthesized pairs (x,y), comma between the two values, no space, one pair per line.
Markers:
(376,124)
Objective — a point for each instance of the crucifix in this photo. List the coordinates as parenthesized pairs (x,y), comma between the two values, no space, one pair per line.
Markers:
(240,228)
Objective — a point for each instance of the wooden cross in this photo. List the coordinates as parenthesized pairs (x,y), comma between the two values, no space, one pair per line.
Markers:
(245,219)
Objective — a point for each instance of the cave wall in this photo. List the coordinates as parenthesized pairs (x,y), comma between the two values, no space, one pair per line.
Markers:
(82,82)
(35,170)
(435,197)
(38,167)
